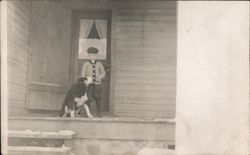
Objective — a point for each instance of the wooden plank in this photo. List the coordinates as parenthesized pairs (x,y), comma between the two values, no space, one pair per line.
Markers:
(136,88)
(14,77)
(167,35)
(147,79)
(17,81)
(19,43)
(19,35)
(77,5)
(146,10)
(18,65)
(37,134)
(134,48)
(19,29)
(147,107)
(16,88)
(14,111)
(22,6)
(145,74)
(128,73)
(146,24)
(22,20)
(143,98)
(145,32)
(160,69)
(16,95)
(17,49)
(147,55)
(18,103)
(154,101)
(151,38)
(155,42)
(37,149)
(145,13)
(145,114)
(149,17)
(142,62)
(145,43)
(13,72)
(57,100)
(143,47)
(14,55)
(152,94)
(39,100)
(51,89)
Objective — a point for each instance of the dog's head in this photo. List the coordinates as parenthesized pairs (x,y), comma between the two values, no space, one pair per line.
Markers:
(82,80)
(85,80)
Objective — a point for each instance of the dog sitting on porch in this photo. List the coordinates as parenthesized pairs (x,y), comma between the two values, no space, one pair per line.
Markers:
(76,99)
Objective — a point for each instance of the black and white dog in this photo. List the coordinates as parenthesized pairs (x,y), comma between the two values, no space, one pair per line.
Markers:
(76,98)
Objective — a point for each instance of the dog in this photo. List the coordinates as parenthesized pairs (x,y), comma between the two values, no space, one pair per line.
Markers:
(77,98)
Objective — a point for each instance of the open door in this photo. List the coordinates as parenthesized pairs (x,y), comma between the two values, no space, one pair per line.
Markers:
(49,58)
(87,25)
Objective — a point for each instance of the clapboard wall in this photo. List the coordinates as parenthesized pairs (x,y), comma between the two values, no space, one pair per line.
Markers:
(27,64)
(143,65)
(18,19)
(145,61)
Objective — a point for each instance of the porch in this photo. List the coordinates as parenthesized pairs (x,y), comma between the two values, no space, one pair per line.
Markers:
(107,135)
(140,84)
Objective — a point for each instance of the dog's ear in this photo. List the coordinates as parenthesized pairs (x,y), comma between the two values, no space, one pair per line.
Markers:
(82,79)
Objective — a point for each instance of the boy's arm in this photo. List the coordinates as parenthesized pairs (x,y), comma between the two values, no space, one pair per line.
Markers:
(102,71)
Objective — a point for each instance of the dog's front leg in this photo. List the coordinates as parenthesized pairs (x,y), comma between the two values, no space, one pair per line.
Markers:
(87,111)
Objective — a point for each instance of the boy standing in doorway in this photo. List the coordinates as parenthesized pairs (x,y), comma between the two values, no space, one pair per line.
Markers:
(94,68)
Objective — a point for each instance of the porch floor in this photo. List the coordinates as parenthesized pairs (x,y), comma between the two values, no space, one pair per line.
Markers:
(104,118)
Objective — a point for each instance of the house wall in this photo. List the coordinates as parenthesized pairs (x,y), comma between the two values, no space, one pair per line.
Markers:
(45,25)
(143,55)
(144,63)
(18,20)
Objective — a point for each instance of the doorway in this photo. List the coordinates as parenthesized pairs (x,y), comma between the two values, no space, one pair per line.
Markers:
(92,28)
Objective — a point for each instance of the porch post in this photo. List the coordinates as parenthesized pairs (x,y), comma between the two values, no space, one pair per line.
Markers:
(4,90)
(212,115)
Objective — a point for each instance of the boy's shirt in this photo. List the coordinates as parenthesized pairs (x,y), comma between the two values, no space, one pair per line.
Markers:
(94,70)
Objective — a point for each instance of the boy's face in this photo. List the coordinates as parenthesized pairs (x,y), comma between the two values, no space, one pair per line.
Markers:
(92,56)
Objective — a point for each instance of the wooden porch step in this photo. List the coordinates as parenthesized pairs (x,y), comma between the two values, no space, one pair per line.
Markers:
(34,150)
(156,151)
(62,134)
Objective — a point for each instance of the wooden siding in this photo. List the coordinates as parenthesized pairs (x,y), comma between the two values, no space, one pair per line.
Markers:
(28,57)
(143,55)
(19,13)
(145,61)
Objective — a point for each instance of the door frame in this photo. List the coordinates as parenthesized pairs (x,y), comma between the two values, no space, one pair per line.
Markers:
(91,14)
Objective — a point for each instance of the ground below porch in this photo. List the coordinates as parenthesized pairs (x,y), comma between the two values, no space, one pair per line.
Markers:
(107,135)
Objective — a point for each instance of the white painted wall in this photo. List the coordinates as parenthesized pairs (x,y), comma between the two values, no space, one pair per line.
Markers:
(212,113)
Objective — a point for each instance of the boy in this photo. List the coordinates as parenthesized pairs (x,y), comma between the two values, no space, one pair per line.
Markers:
(94,69)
